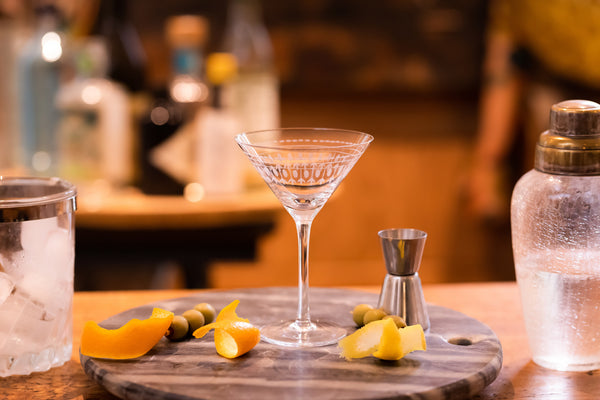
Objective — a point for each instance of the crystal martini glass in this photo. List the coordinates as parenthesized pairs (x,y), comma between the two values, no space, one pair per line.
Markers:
(303,167)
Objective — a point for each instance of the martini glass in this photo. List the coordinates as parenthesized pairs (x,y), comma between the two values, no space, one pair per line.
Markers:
(303,167)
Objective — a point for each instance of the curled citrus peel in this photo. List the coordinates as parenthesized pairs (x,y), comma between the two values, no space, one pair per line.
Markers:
(234,336)
(134,339)
(390,344)
(382,339)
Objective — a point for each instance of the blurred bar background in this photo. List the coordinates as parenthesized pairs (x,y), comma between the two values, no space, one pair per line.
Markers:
(107,86)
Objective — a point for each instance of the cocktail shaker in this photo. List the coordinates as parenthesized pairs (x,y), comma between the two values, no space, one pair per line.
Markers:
(555,220)
(401,293)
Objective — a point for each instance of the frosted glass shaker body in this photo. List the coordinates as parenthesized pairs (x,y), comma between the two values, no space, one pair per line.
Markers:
(555,218)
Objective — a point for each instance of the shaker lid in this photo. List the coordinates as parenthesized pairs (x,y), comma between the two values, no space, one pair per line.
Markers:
(572,144)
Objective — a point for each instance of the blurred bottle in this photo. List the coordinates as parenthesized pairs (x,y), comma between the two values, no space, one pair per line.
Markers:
(39,75)
(125,50)
(167,129)
(255,91)
(219,159)
(95,130)
(187,35)
(8,94)
(254,94)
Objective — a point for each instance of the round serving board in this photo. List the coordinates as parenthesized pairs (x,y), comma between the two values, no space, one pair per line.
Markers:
(463,356)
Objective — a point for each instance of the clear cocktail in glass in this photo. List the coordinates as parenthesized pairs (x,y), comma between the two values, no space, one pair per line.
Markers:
(303,167)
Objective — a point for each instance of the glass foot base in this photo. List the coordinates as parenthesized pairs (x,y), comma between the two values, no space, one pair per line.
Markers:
(299,334)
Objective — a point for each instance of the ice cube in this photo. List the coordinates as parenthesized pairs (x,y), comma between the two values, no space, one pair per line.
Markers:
(60,254)
(6,287)
(9,263)
(46,274)
(34,234)
(24,324)
(34,238)
(38,286)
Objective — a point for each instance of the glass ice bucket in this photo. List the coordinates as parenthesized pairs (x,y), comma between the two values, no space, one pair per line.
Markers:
(36,273)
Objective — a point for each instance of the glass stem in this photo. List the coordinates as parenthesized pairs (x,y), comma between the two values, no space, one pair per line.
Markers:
(303,318)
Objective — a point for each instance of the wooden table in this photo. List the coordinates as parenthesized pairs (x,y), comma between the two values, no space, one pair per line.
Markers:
(495,304)
(126,228)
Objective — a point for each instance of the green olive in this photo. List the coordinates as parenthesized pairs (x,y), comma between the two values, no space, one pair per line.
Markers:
(373,315)
(398,320)
(179,328)
(207,311)
(194,318)
(358,313)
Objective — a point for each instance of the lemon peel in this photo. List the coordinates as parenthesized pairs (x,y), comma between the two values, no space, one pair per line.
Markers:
(363,342)
(134,339)
(390,344)
(382,339)
(412,339)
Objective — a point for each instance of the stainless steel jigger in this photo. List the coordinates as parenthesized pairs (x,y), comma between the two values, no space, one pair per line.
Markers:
(401,293)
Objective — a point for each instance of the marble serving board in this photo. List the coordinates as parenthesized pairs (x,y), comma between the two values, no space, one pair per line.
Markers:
(463,356)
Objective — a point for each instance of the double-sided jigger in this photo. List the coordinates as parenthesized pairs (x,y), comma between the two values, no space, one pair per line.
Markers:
(401,293)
